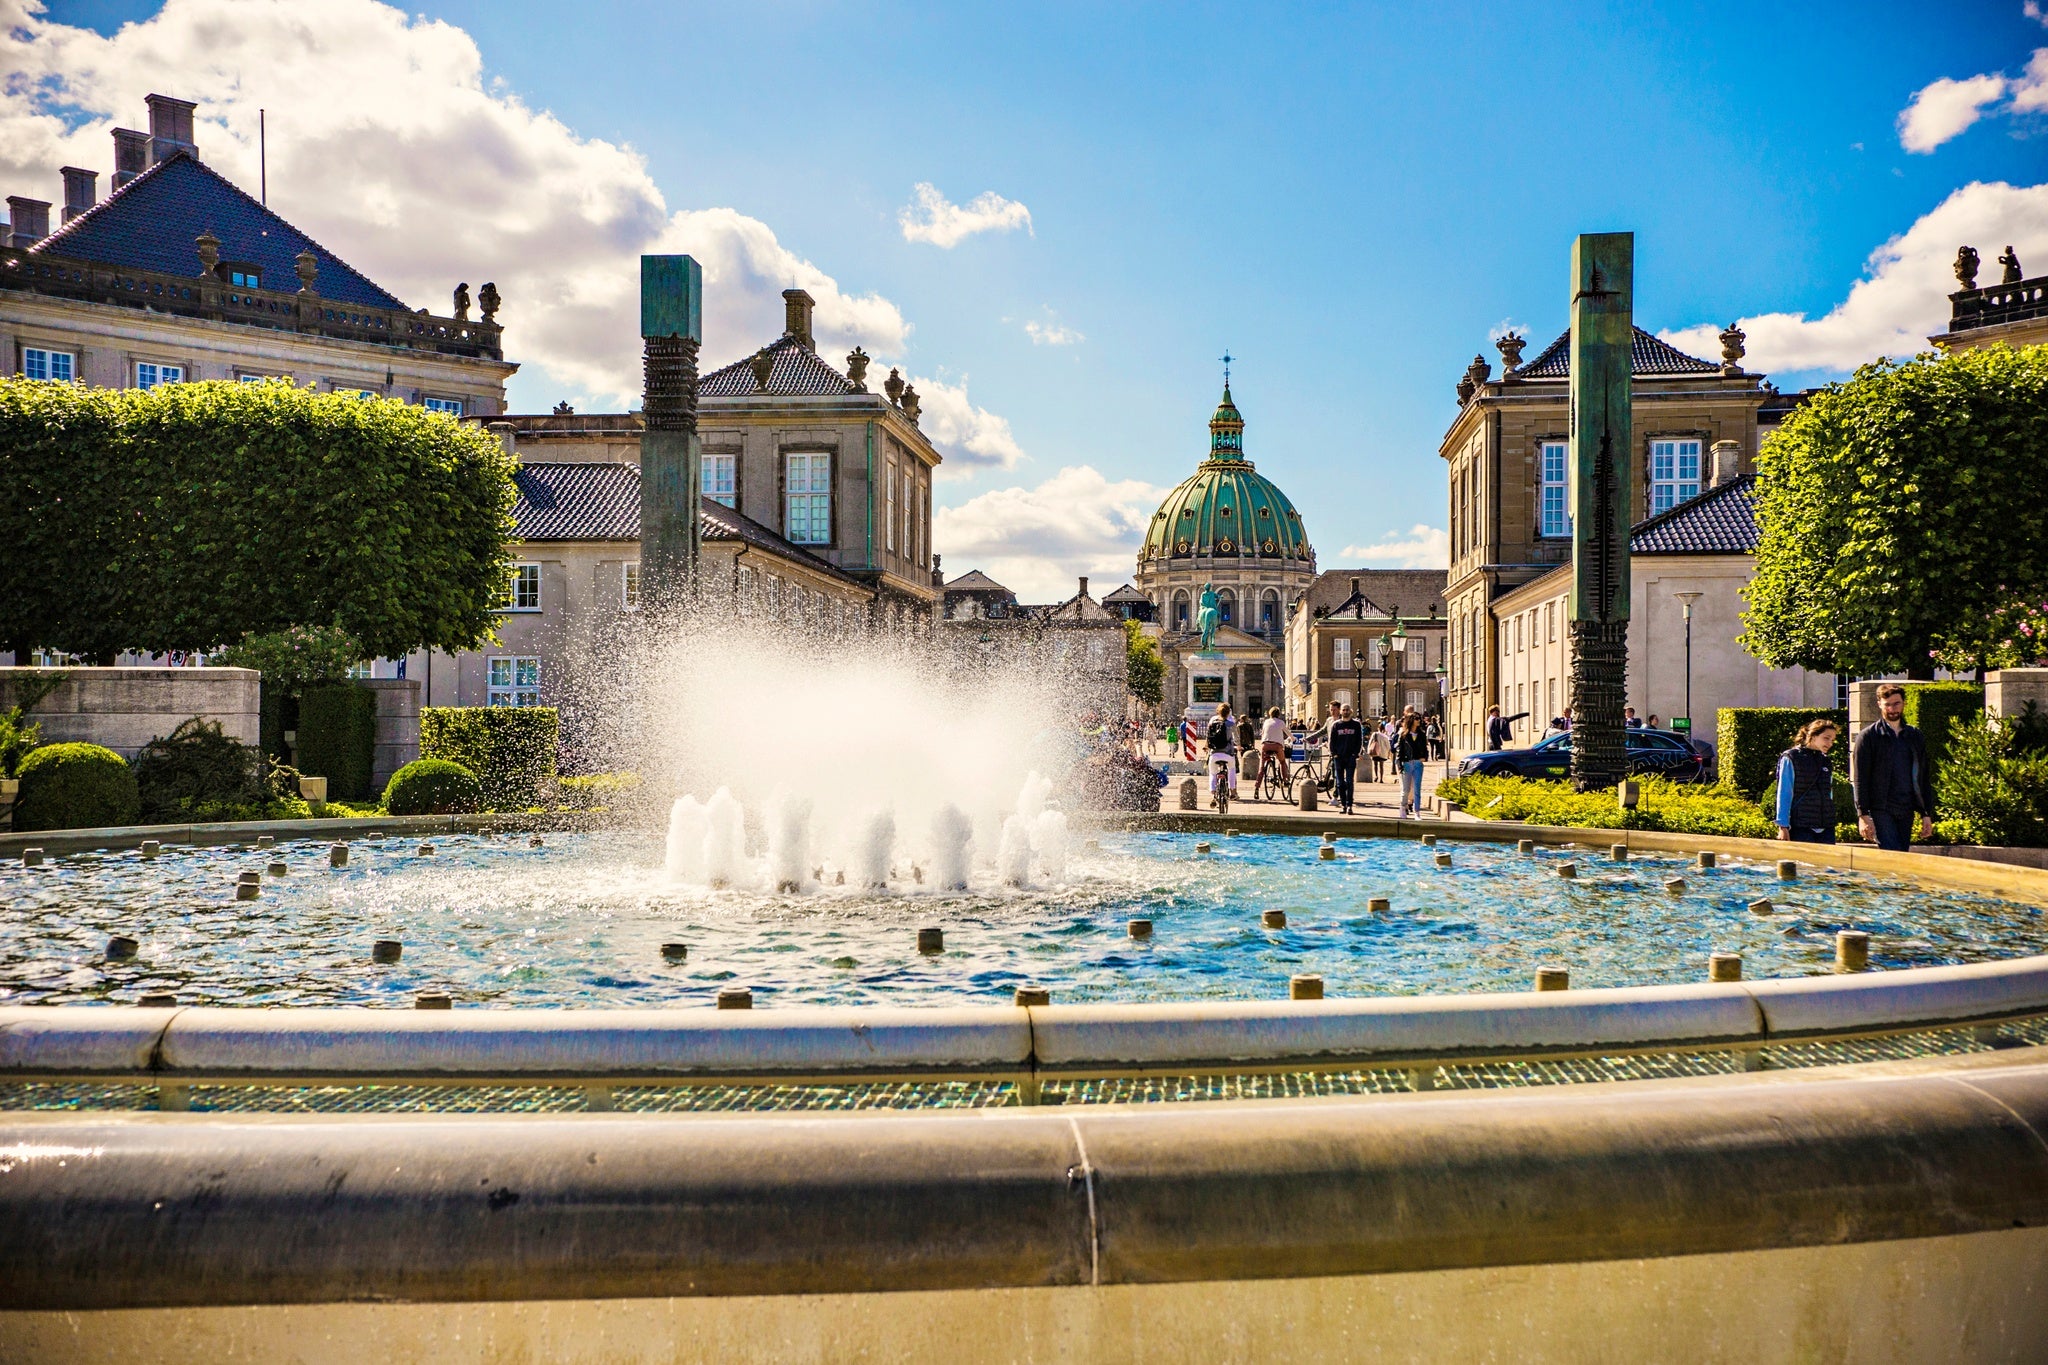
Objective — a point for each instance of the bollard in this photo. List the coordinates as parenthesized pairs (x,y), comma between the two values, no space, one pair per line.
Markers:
(121,946)
(1305,799)
(675,952)
(151,847)
(386,950)
(1525,845)
(1329,836)
(32,857)
(536,842)
(1618,853)
(1328,853)
(1706,859)
(249,875)
(1675,885)
(735,998)
(1429,841)
(158,1000)
(1787,870)
(1274,919)
(1724,967)
(337,855)
(1305,988)
(931,940)
(425,851)
(1443,860)
(1187,793)
(1553,979)
(247,891)
(1202,848)
(1033,995)
(278,868)
(1230,834)
(1628,793)
(265,840)
(1568,870)
(1378,905)
(1761,906)
(1852,950)
(1139,928)
(432,1000)
(1087,846)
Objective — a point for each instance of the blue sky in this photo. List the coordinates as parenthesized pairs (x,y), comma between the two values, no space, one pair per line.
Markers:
(1349,198)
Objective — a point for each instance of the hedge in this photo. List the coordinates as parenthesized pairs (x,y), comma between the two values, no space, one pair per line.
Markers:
(1750,738)
(1682,808)
(1932,708)
(338,737)
(511,749)
(75,786)
(432,786)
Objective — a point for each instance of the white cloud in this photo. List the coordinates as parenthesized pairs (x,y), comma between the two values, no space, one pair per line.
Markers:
(1052,334)
(2034,11)
(1904,294)
(2030,91)
(390,144)
(972,438)
(1944,109)
(1037,541)
(1419,547)
(931,217)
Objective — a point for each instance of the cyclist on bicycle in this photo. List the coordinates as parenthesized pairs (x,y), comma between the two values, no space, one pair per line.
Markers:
(1222,739)
(1273,746)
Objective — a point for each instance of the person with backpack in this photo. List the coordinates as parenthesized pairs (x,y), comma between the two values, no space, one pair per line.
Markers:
(1411,751)
(1222,738)
(1806,786)
(1347,739)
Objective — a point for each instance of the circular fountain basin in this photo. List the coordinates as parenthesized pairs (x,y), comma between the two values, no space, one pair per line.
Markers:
(583,922)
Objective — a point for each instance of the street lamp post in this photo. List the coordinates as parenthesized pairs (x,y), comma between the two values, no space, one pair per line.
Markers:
(1388,641)
(1685,600)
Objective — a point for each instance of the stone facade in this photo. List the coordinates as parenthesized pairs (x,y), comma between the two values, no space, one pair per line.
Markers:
(1334,649)
(125,708)
(1078,642)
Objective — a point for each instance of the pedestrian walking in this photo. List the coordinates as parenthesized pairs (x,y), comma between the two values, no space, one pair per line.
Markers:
(1498,731)
(1411,750)
(1806,786)
(1347,739)
(1891,774)
(1377,752)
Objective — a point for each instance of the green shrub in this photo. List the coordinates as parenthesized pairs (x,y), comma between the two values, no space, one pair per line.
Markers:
(75,786)
(196,765)
(1750,738)
(511,749)
(432,786)
(1681,808)
(18,735)
(1994,787)
(597,791)
(338,737)
(1932,708)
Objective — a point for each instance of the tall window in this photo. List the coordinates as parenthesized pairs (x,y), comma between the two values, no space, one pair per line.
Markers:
(1674,474)
(1375,655)
(629,587)
(149,374)
(909,540)
(1557,512)
(1226,606)
(1180,611)
(39,364)
(1340,653)
(721,479)
(451,406)
(889,514)
(524,594)
(1269,611)
(1418,655)
(513,682)
(808,492)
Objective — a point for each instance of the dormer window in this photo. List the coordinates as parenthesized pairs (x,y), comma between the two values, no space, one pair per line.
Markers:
(244,276)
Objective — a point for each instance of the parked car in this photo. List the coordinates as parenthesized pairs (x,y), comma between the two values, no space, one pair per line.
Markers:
(1649,751)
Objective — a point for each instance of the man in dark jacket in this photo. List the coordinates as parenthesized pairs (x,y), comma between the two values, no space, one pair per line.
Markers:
(1346,738)
(1498,735)
(1892,776)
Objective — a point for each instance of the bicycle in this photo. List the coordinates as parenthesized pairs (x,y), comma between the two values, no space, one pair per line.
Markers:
(1222,778)
(1312,768)
(1274,783)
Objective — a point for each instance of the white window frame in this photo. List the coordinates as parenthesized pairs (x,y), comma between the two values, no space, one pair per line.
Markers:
(909,516)
(262,378)
(150,373)
(245,279)
(1669,483)
(629,586)
(50,362)
(807,497)
(720,478)
(1340,653)
(1418,654)
(523,576)
(517,683)
(1553,461)
(1375,654)
(889,515)
(452,406)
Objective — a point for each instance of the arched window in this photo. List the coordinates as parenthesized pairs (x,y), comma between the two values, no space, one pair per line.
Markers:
(1180,611)
(1226,607)
(1269,611)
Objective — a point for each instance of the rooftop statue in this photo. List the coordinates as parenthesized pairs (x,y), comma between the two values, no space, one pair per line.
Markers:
(487,298)
(1208,617)
(2011,261)
(462,302)
(1966,267)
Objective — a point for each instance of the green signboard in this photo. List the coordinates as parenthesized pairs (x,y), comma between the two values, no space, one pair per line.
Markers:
(1208,691)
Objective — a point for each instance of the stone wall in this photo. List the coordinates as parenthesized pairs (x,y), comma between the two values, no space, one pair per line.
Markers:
(397,740)
(126,708)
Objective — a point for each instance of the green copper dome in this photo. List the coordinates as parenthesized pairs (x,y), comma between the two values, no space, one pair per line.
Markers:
(1226,507)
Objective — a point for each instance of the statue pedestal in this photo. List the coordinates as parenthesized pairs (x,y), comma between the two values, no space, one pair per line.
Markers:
(1208,685)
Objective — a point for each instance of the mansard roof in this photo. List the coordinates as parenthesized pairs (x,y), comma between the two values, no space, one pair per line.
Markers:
(577,502)
(1720,521)
(974,580)
(1648,356)
(797,372)
(152,222)
(1127,593)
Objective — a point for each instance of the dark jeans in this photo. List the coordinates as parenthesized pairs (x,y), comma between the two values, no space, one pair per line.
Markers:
(1894,829)
(1343,771)
(1812,836)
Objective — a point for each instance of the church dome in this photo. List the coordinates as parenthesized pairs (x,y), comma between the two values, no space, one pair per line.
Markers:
(1226,508)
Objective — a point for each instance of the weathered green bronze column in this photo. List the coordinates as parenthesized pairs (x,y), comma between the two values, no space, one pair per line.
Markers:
(1603,302)
(671,328)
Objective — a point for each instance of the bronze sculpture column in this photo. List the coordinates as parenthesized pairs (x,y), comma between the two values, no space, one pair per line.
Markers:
(1603,289)
(671,479)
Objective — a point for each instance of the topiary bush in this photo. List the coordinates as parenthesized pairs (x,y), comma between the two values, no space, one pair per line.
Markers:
(196,766)
(511,749)
(338,737)
(432,786)
(75,786)
(1932,708)
(1750,738)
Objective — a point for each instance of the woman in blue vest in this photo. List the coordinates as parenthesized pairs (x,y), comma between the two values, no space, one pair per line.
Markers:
(1806,786)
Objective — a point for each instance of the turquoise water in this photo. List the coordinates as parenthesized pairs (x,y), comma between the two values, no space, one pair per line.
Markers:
(580,922)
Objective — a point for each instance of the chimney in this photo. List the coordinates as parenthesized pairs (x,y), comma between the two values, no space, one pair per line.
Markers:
(30,219)
(796,316)
(1084,585)
(81,191)
(170,128)
(1727,462)
(131,155)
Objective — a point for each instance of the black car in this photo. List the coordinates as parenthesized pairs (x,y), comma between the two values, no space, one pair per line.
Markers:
(1649,751)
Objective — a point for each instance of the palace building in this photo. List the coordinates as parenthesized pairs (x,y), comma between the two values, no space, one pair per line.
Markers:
(1227,526)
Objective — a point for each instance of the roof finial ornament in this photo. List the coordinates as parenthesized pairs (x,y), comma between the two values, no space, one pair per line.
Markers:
(1226,371)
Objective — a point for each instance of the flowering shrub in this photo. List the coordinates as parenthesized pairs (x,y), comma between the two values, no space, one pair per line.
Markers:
(292,658)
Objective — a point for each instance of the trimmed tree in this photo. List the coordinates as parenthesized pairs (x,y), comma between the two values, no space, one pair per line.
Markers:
(1896,514)
(1145,671)
(190,515)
